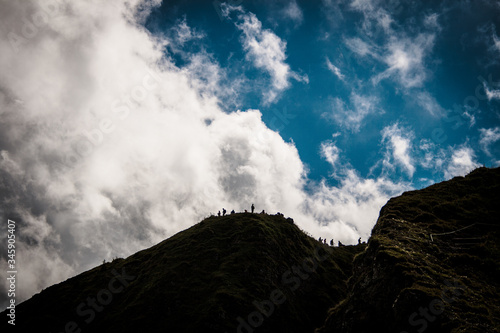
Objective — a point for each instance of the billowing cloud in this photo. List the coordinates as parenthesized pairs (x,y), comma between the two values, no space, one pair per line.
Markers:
(352,207)
(107,146)
(265,50)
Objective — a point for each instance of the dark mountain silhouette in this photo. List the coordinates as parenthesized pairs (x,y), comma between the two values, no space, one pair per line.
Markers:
(237,272)
(431,265)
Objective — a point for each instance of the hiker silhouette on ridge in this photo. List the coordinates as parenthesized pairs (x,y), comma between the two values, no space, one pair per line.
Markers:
(223,211)
(253,208)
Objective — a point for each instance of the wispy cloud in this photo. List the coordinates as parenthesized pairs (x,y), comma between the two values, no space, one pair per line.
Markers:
(352,117)
(330,152)
(450,161)
(184,33)
(431,156)
(333,13)
(265,50)
(400,50)
(360,47)
(405,60)
(374,15)
(398,141)
(293,12)
(496,40)
(428,103)
(488,137)
(469,113)
(491,94)
(334,69)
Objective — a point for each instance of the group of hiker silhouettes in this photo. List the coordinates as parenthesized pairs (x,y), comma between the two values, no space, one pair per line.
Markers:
(321,240)
(252,208)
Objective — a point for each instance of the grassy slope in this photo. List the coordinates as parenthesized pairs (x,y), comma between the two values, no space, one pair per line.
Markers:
(402,270)
(202,279)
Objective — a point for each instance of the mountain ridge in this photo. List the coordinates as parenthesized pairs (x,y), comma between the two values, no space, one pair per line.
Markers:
(432,264)
(238,272)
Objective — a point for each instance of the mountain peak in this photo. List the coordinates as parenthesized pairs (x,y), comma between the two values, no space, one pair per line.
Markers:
(430,265)
(236,272)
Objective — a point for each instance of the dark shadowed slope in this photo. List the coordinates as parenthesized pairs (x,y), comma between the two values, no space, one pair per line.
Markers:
(432,263)
(202,280)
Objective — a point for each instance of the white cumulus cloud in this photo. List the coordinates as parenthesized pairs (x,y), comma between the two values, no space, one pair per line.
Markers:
(399,147)
(461,162)
(107,147)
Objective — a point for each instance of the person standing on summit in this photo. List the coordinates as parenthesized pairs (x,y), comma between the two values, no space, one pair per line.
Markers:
(253,208)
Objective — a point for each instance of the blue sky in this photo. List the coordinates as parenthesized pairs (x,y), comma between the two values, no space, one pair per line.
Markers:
(123,123)
(417,71)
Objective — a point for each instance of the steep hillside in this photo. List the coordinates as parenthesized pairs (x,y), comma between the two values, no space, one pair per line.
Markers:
(232,273)
(432,263)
